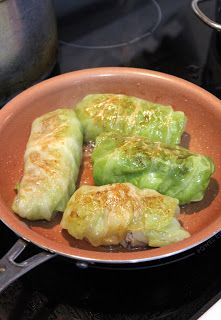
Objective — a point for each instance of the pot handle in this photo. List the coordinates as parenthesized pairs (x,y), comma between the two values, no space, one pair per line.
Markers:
(11,270)
(203,17)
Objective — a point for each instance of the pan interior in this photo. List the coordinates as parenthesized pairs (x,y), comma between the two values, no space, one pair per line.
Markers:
(202,135)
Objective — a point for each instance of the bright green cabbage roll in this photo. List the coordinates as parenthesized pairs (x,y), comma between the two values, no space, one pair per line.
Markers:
(171,170)
(129,116)
(123,214)
(51,164)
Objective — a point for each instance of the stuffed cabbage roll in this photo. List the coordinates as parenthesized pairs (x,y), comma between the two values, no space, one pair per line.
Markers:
(129,116)
(51,164)
(122,214)
(171,170)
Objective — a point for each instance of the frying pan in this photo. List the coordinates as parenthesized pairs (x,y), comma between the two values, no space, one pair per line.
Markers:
(203,132)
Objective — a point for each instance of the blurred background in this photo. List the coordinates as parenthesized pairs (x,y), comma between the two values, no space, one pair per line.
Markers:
(40,39)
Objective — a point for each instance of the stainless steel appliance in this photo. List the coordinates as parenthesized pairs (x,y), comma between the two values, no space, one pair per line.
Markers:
(28,44)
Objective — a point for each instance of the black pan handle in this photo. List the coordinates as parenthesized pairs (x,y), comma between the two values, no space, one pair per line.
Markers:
(11,270)
(203,17)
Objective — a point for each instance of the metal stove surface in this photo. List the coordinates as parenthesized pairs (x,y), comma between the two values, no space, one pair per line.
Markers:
(162,35)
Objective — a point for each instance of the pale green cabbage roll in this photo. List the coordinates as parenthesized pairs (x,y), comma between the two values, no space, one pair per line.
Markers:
(131,116)
(51,164)
(123,214)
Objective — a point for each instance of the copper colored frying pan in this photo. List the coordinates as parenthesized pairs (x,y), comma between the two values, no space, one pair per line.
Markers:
(203,134)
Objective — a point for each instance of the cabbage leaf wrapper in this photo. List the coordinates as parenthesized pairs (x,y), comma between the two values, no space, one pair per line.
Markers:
(51,164)
(123,214)
(171,170)
(131,116)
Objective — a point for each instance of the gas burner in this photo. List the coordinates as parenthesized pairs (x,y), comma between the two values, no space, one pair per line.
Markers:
(113,24)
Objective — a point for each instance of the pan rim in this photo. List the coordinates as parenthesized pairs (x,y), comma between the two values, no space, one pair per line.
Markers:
(110,257)
(111,261)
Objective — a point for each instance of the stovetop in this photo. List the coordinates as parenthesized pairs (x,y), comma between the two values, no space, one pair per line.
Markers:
(162,35)
(58,290)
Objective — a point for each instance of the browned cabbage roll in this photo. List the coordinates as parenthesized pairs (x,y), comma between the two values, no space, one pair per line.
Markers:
(52,159)
(123,214)
(130,116)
